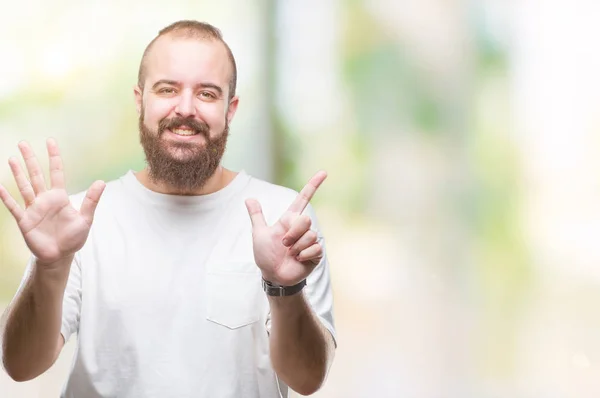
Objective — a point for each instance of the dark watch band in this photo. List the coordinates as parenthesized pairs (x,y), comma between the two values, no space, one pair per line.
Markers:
(275,290)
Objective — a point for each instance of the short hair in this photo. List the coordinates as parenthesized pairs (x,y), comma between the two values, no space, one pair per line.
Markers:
(194,30)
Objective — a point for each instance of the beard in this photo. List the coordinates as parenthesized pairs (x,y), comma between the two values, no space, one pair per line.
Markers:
(185,166)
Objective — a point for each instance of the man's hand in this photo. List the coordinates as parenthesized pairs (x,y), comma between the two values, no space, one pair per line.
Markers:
(287,251)
(51,227)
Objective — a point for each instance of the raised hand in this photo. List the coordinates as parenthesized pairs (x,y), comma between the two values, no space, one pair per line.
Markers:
(52,228)
(287,251)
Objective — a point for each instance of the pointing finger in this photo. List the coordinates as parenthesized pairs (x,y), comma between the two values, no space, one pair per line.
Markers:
(307,192)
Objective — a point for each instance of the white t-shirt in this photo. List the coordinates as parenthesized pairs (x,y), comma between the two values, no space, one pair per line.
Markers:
(167,301)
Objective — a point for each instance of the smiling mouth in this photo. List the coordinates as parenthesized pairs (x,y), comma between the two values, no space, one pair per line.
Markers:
(183,132)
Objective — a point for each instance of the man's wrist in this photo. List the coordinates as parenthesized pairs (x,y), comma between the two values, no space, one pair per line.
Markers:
(276,290)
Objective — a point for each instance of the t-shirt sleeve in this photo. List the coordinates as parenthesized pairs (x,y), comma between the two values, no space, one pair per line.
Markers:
(71,309)
(71,306)
(318,290)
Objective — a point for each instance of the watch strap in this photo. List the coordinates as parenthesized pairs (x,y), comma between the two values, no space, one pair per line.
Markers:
(273,289)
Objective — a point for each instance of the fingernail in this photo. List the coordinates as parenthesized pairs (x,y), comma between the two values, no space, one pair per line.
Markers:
(286,242)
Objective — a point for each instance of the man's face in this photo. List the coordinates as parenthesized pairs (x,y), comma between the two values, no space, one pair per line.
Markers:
(184,111)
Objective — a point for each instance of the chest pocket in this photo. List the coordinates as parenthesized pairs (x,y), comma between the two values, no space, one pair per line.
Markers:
(233,293)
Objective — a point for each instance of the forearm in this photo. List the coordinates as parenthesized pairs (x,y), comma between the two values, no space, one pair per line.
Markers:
(301,348)
(31,331)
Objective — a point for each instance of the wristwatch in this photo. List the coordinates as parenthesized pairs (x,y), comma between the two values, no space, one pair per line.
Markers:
(273,289)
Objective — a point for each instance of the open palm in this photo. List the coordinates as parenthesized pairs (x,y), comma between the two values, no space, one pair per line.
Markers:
(52,228)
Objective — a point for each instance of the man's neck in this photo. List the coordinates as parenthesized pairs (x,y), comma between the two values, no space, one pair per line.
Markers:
(219,180)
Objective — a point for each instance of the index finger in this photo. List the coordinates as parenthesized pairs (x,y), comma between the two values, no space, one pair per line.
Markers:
(307,192)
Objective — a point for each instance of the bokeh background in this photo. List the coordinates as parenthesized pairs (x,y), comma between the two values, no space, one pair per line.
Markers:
(461,137)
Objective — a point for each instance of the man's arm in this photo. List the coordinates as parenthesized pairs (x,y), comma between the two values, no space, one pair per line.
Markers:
(53,231)
(302,349)
(31,338)
(287,253)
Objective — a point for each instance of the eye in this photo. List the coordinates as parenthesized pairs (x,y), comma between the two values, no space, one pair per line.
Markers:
(207,95)
(167,90)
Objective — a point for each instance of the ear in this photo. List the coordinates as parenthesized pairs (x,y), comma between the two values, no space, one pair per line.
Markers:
(232,108)
(138,96)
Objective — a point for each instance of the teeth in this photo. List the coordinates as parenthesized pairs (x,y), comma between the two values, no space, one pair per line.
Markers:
(183,132)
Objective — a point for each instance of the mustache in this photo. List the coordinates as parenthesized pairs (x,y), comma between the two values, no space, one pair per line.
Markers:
(178,122)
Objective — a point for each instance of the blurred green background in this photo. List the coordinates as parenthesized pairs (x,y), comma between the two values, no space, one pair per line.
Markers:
(460,138)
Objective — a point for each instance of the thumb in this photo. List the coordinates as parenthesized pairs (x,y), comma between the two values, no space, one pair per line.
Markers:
(256,215)
(92,197)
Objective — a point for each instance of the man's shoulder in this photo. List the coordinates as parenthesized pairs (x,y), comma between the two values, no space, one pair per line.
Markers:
(269,190)
(274,199)
(112,188)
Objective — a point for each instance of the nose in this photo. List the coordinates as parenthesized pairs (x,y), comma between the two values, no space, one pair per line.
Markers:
(185,107)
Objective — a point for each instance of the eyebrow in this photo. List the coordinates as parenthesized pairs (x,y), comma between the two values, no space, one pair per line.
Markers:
(165,81)
(211,85)
(176,83)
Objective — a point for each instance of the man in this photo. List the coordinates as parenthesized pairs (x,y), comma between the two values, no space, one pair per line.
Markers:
(184,279)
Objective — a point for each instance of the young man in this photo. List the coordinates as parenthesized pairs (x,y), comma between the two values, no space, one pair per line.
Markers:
(184,279)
